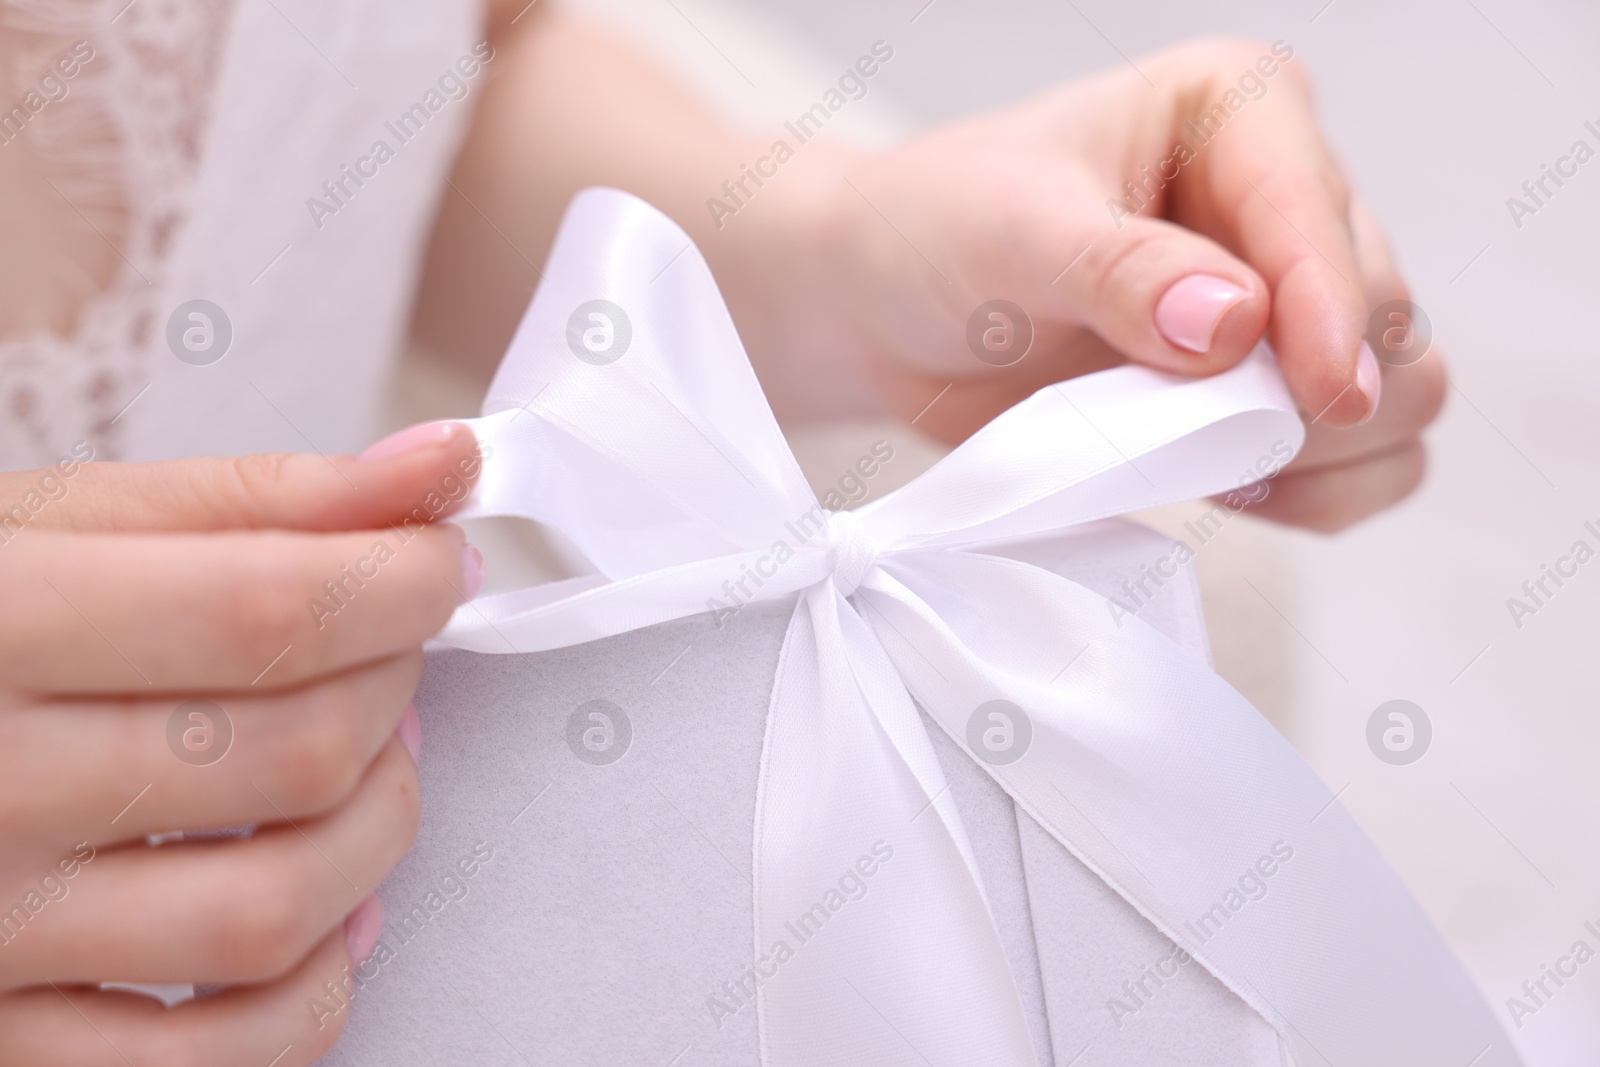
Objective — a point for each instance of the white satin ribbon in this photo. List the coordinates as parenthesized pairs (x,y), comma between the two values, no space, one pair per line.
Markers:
(667,471)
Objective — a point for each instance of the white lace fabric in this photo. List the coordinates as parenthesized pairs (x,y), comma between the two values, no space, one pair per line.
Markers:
(191,143)
(123,148)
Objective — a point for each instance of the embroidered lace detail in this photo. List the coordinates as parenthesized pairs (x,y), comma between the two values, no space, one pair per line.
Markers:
(123,147)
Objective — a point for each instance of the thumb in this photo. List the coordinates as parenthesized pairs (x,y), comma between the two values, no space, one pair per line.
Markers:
(422,473)
(1164,296)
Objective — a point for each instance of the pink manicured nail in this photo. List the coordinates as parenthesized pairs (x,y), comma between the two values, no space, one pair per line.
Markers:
(410,732)
(1188,312)
(1369,379)
(471,570)
(412,439)
(362,928)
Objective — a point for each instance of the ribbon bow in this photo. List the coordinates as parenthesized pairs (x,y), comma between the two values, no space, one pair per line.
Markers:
(627,417)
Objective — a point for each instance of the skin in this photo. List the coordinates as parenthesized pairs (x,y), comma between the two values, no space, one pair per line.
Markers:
(851,277)
(147,584)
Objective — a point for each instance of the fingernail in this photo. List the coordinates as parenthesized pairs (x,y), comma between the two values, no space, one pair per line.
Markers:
(362,928)
(412,439)
(471,570)
(1369,379)
(410,732)
(1190,310)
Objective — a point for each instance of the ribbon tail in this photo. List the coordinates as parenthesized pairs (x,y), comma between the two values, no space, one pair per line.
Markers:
(1169,785)
(865,888)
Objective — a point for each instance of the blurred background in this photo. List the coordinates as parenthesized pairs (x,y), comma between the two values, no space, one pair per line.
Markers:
(1441,111)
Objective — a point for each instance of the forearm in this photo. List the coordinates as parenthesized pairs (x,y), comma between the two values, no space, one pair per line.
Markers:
(567,107)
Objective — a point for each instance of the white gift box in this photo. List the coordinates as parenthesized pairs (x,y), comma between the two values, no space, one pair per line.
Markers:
(611,923)
(953,784)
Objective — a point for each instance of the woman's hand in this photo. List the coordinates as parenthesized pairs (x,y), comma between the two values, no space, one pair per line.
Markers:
(194,646)
(1172,222)
(853,276)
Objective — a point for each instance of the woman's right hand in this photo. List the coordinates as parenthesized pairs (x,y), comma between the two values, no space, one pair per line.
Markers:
(127,590)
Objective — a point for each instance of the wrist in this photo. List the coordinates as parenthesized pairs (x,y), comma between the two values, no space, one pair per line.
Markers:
(786,252)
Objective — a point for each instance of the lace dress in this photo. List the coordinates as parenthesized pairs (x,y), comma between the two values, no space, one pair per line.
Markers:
(197,139)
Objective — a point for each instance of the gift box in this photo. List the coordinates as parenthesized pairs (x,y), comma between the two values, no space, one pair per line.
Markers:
(586,900)
(943,780)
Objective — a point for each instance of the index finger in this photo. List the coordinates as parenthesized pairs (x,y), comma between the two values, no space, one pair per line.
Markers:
(423,473)
(1265,184)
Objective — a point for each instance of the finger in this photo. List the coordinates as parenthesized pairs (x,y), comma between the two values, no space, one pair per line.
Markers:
(221,612)
(1412,397)
(272,1024)
(1413,386)
(1267,186)
(223,911)
(1331,498)
(425,475)
(150,766)
(1162,295)
(1381,280)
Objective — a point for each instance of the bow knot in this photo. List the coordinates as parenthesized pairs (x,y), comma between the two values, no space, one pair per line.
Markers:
(851,550)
